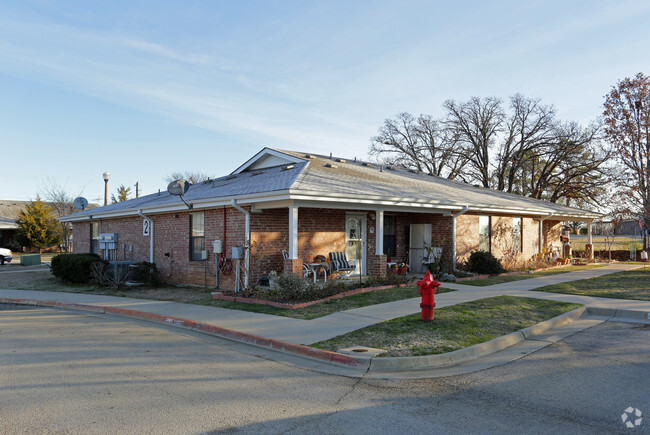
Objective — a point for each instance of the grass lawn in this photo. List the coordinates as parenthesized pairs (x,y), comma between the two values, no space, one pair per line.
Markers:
(633,284)
(499,279)
(615,243)
(332,306)
(45,281)
(453,328)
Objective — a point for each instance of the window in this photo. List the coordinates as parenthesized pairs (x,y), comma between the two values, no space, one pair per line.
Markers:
(94,237)
(484,233)
(516,234)
(390,241)
(197,236)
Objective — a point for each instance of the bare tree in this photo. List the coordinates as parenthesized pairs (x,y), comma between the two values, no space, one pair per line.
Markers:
(191,176)
(530,126)
(475,126)
(571,167)
(416,143)
(627,126)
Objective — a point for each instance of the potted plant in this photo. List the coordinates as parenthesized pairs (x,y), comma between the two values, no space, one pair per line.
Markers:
(402,269)
(394,268)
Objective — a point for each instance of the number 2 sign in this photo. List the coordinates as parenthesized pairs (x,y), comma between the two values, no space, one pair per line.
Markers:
(146,227)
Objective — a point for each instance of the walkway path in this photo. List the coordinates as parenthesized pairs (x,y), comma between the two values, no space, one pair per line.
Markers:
(311,331)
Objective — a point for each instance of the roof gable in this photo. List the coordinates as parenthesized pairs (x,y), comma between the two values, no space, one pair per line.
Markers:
(267,158)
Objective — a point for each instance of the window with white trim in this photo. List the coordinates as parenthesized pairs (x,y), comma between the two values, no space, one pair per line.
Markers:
(197,236)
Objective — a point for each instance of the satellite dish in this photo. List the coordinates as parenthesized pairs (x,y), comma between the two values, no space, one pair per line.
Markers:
(80,202)
(179,187)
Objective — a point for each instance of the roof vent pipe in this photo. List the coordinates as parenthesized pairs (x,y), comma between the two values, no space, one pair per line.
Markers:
(247,236)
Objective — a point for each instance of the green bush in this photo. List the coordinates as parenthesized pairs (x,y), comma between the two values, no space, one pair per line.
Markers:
(74,268)
(583,231)
(483,262)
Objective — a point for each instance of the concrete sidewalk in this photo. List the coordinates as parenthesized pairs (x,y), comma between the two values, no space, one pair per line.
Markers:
(305,332)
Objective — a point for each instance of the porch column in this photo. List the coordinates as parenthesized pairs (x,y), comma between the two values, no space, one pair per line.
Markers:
(379,232)
(377,263)
(293,264)
(589,247)
(293,233)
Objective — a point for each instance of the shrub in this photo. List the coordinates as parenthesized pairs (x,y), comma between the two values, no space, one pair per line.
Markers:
(74,268)
(483,262)
(146,273)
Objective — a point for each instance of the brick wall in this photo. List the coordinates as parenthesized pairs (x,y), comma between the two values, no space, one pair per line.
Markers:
(467,236)
(320,231)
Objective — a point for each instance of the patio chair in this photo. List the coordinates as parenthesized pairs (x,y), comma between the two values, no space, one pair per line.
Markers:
(340,263)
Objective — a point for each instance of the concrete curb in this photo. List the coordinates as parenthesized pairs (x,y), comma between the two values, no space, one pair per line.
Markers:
(206,328)
(471,353)
(395,364)
(618,313)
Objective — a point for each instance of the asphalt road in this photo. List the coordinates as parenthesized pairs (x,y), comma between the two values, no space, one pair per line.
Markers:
(67,372)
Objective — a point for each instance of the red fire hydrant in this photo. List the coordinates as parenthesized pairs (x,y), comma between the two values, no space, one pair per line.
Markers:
(428,287)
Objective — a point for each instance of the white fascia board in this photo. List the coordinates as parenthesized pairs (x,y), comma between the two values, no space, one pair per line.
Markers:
(261,154)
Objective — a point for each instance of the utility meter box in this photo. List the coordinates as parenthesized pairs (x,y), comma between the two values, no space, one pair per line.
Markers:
(237,252)
(204,255)
(217,246)
(108,241)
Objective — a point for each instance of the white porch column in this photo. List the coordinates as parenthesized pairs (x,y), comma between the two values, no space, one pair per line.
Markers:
(293,233)
(379,232)
(589,238)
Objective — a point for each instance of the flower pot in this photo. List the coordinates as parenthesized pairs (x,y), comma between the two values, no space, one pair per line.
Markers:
(403,270)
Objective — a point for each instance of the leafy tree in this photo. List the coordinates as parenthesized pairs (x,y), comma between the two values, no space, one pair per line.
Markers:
(60,202)
(192,177)
(37,226)
(627,126)
(122,194)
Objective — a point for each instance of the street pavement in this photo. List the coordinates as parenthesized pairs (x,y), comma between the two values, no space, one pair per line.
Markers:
(71,372)
(306,332)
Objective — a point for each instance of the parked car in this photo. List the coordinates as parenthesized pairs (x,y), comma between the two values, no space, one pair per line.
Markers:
(5,255)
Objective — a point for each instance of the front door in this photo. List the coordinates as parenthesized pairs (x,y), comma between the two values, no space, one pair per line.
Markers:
(420,234)
(355,240)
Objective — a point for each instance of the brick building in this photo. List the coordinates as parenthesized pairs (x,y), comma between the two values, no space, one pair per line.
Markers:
(309,205)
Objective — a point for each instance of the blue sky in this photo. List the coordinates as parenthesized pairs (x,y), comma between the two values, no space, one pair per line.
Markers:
(146,88)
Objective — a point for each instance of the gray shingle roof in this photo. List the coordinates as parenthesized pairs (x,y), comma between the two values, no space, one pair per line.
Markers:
(325,177)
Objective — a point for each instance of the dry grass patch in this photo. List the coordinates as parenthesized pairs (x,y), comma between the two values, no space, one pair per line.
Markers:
(453,328)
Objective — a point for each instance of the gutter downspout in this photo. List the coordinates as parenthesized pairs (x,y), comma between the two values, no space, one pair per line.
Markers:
(247,235)
(453,234)
(150,235)
(541,232)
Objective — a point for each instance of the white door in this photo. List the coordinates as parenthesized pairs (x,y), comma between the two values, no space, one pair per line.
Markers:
(419,235)
(355,240)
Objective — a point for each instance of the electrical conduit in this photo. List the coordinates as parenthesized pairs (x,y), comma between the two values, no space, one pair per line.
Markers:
(247,235)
